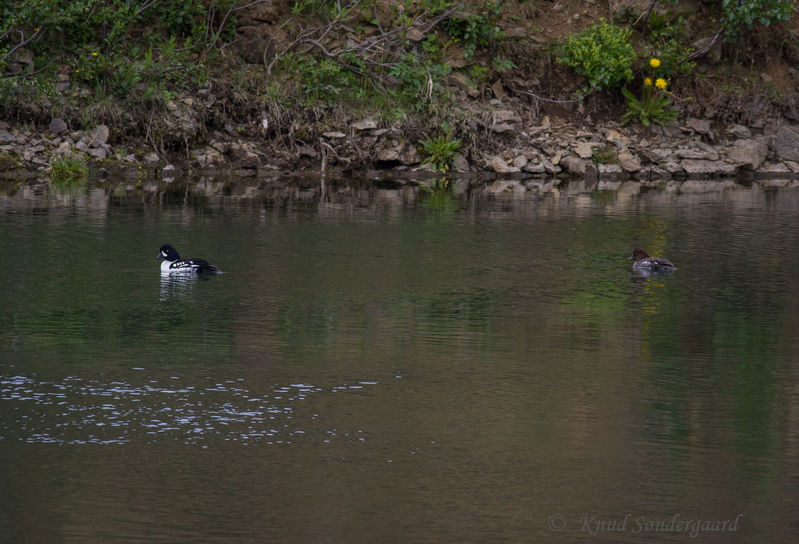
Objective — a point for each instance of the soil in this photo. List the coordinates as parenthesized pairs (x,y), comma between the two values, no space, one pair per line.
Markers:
(528,115)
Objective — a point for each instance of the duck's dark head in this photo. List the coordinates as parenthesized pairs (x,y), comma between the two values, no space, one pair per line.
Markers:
(638,254)
(168,252)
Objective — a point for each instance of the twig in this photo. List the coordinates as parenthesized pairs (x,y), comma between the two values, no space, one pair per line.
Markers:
(645,15)
(537,97)
(705,50)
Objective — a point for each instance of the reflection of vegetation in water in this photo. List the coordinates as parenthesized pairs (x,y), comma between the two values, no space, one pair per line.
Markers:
(438,196)
(715,369)
(77,334)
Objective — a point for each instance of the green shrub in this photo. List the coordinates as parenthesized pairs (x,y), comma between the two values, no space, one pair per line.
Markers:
(114,47)
(602,53)
(476,29)
(740,14)
(418,79)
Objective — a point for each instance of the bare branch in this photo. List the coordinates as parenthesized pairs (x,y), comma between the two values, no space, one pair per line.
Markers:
(705,50)
(538,97)
(22,41)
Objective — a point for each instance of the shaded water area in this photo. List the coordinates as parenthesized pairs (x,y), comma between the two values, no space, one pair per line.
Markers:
(395,363)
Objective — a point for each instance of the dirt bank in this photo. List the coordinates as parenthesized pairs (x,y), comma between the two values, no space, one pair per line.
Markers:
(525,121)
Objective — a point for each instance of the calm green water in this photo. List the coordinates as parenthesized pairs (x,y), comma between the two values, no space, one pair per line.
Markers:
(399,365)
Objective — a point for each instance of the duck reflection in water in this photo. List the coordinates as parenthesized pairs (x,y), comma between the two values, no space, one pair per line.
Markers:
(178,285)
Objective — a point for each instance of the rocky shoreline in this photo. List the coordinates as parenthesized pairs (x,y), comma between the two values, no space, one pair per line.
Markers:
(505,146)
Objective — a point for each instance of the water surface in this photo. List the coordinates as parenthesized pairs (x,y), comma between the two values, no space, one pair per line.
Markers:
(399,364)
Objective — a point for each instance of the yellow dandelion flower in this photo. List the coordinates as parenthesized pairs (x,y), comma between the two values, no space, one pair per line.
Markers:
(95,53)
(648,81)
(654,63)
(660,83)
(76,70)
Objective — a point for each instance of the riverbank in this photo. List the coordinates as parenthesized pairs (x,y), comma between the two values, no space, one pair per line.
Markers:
(478,88)
(505,146)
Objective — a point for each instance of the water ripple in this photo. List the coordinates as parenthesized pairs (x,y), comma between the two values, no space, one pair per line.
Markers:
(78,411)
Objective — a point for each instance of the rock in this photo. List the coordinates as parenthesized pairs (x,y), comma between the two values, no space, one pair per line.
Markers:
(621,8)
(388,154)
(775,168)
(698,154)
(410,156)
(414,34)
(57,125)
(366,124)
(502,116)
(334,135)
(151,157)
(19,58)
(535,168)
(611,171)
(498,90)
(307,151)
(520,161)
(6,137)
(707,168)
(99,136)
(786,144)
(499,166)
(615,137)
(700,126)
(750,153)
(584,150)
(502,127)
(549,167)
(462,81)
(459,163)
(739,131)
(98,153)
(673,167)
(575,165)
(652,173)
(251,160)
(629,161)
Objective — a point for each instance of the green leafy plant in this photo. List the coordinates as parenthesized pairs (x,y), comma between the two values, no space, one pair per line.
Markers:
(418,79)
(440,151)
(740,14)
(478,74)
(653,106)
(502,65)
(478,28)
(602,53)
(69,169)
(665,40)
